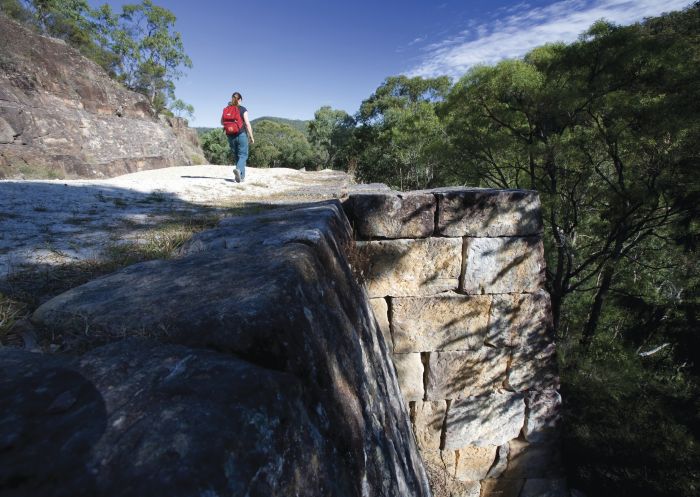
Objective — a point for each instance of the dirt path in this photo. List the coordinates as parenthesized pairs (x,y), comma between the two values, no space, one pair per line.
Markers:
(51,222)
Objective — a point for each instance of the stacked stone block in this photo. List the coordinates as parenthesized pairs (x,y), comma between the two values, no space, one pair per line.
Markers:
(455,278)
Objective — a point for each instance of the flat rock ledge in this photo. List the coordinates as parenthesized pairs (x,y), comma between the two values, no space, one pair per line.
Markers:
(251,364)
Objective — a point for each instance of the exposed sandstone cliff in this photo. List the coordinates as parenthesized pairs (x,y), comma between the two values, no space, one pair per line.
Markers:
(62,115)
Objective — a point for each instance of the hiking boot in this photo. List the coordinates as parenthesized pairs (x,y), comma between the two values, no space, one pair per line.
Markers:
(237,175)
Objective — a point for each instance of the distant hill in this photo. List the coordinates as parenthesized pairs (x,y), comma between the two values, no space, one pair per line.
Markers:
(202,130)
(299,124)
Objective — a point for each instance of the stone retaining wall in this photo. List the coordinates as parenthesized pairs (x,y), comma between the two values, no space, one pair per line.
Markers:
(455,278)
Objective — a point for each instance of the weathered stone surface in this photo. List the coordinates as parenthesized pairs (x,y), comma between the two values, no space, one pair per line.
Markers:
(520,320)
(455,375)
(541,487)
(542,415)
(288,304)
(405,268)
(381,312)
(504,265)
(391,215)
(65,115)
(484,420)
(7,134)
(473,463)
(409,370)
(440,466)
(534,460)
(501,462)
(533,367)
(488,213)
(501,488)
(440,323)
(139,419)
(427,419)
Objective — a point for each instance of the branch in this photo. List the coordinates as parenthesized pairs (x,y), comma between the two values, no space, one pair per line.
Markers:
(654,351)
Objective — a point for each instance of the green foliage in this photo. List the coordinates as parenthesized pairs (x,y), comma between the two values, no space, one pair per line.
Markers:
(215,146)
(331,132)
(630,427)
(280,145)
(400,138)
(180,108)
(15,9)
(151,53)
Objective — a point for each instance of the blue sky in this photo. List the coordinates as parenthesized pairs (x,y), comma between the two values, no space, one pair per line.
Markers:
(290,57)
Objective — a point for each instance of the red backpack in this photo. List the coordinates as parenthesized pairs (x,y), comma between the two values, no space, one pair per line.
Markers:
(233,121)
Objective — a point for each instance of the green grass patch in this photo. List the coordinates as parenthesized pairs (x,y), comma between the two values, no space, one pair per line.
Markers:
(11,310)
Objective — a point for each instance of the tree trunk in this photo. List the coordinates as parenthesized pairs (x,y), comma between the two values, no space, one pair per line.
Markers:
(596,310)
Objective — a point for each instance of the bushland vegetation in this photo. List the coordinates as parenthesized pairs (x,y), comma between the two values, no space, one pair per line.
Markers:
(607,129)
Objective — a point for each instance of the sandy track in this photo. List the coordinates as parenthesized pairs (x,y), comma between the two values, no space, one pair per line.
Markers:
(55,221)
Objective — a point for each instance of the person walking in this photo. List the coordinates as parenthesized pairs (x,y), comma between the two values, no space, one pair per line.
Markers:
(238,131)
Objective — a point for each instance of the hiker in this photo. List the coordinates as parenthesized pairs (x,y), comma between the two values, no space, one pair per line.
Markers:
(238,130)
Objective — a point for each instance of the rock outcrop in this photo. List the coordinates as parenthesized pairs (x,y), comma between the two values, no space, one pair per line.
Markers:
(259,338)
(62,115)
(250,365)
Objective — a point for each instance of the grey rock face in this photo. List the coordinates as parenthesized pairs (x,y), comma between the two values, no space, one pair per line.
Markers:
(61,112)
(285,306)
(491,419)
(392,215)
(503,265)
(488,213)
(137,419)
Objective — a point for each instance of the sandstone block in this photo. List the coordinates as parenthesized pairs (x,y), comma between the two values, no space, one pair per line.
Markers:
(491,419)
(391,215)
(440,323)
(542,415)
(503,265)
(381,312)
(520,319)
(440,467)
(489,213)
(533,367)
(501,462)
(473,463)
(427,419)
(406,268)
(455,375)
(409,370)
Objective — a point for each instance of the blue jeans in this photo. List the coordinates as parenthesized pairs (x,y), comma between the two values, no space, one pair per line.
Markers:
(239,150)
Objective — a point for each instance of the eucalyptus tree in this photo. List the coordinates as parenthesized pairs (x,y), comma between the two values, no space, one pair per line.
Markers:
(594,127)
(400,138)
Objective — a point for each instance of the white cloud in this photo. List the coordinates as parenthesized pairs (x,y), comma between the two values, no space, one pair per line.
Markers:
(524,28)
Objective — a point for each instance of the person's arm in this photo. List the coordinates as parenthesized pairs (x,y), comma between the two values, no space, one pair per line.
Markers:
(248,127)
